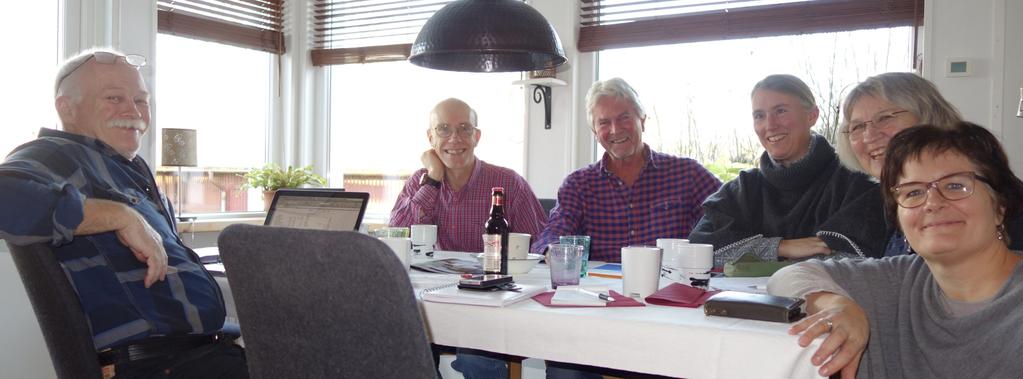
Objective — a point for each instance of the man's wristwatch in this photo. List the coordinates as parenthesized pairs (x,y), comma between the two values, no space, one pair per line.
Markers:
(427,180)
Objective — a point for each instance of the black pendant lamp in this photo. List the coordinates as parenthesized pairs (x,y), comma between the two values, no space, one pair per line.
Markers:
(487,36)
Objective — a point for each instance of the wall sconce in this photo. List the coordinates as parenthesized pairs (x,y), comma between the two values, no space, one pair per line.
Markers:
(487,36)
(542,91)
(179,150)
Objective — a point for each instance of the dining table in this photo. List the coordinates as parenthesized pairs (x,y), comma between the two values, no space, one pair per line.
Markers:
(653,339)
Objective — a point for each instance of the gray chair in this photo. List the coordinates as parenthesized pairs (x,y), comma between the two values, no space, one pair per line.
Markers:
(61,318)
(548,205)
(321,304)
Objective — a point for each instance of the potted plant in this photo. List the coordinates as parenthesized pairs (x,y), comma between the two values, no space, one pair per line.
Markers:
(271,177)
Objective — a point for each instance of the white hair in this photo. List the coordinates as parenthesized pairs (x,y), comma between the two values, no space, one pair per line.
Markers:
(66,81)
(614,87)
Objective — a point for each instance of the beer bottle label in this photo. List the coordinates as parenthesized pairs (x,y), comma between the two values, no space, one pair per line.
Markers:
(491,253)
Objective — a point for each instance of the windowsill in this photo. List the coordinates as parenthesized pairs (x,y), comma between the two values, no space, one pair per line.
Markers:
(216,224)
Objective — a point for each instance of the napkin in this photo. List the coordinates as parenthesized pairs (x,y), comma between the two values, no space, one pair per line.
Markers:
(680,295)
(620,301)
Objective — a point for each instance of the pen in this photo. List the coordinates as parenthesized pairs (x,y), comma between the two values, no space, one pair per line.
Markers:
(602,296)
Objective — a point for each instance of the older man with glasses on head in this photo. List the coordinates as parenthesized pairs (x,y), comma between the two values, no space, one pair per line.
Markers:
(152,307)
(452,191)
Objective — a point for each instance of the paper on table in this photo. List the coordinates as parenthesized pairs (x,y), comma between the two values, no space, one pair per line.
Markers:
(449,266)
(452,294)
(620,301)
(741,284)
(570,295)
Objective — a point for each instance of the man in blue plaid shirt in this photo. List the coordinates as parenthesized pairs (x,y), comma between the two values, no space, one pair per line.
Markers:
(633,195)
(153,310)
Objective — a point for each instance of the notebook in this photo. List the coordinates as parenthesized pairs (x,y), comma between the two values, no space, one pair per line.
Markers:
(317,208)
(452,294)
(607,270)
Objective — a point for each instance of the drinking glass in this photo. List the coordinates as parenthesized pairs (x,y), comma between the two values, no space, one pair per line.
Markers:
(583,241)
(564,261)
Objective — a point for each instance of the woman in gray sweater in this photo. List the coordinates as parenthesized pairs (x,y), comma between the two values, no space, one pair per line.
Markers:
(953,310)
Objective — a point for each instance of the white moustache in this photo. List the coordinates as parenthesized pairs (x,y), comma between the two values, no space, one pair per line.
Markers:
(129,123)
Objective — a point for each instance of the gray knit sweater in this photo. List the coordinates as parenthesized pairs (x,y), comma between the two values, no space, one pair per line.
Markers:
(912,332)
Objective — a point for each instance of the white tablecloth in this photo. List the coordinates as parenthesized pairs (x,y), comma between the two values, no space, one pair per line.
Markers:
(672,341)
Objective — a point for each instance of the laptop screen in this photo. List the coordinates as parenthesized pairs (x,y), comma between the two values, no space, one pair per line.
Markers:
(318,208)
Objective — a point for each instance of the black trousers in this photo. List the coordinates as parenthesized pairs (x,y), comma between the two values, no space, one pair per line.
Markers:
(222,360)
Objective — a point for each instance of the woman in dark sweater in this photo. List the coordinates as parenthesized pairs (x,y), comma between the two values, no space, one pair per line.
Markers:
(800,202)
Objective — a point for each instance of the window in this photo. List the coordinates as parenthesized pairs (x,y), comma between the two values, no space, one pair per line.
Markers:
(30,65)
(365,43)
(697,95)
(378,130)
(224,93)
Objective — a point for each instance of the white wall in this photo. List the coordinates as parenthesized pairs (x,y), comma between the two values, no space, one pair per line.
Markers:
(553,153)
(988,33)
(23,354)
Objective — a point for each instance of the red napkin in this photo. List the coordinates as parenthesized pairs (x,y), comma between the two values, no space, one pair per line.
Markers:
(680,295)
(620,301)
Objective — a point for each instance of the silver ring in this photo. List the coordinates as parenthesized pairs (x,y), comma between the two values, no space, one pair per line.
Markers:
(830,324)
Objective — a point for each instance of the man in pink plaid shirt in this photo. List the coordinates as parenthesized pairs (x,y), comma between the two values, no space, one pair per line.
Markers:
(452,190)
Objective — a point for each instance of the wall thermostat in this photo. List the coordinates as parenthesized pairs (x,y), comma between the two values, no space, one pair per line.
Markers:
(958,67)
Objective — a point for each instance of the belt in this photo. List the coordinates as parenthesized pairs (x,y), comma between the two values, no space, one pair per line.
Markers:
(155,347)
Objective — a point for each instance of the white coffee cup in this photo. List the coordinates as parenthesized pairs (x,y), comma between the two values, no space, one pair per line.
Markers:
(518,245)
(401,248)
(696,262)
(671,262)
(663,243)
(641,268)
(424,239)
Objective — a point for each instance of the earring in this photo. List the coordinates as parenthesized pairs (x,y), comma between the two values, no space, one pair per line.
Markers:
(1000,232)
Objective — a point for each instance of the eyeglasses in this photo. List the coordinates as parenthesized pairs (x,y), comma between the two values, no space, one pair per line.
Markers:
(445,131)
(880,122)
(106,58)
(952,187)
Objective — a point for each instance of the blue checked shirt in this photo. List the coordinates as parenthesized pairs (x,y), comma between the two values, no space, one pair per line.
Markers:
(665,202)
(43,185)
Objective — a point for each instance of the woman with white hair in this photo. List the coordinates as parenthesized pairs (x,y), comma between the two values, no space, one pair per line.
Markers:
(879,108)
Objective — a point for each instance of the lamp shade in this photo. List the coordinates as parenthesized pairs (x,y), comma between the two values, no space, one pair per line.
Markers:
(179,147)
(487,36)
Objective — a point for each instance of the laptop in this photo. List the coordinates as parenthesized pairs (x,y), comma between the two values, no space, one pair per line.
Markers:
(305,208)
(317,208)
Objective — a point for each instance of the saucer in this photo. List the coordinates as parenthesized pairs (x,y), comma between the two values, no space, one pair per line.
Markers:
(519,266)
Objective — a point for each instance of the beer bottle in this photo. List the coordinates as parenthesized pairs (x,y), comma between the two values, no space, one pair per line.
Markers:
(495,241)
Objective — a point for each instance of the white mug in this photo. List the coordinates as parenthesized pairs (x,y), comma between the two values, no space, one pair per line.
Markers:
(641,268)
(424,239)
(696,262)
(672,248)
(400,247)
(518,245)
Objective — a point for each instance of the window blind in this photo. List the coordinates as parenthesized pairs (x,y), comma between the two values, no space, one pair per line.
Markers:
(362,31)
(254,24)
(609,24)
